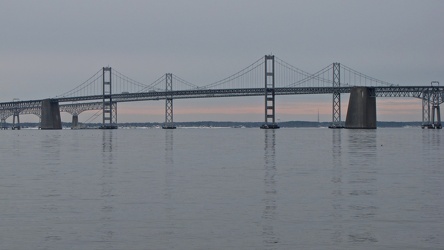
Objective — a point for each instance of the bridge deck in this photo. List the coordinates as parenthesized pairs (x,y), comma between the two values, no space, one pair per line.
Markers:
(389,91)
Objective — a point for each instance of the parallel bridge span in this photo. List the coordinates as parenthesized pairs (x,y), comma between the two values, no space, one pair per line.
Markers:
(395,91)
(281,80)
(80,103)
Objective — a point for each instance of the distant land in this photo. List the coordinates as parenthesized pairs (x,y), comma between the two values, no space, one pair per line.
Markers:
(208,124)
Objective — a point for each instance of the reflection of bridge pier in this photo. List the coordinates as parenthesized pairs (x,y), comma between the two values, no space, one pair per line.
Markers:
(270,204)
(361,199)
(107,193)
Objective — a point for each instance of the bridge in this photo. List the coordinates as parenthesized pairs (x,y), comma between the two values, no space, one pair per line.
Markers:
(269,77)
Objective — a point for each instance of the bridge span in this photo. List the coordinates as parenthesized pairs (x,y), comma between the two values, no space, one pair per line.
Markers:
(262,78)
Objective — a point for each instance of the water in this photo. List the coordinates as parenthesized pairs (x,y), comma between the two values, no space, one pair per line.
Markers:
(222,189)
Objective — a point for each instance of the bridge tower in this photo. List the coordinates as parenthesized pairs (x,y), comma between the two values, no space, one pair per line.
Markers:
(435,106)
(169,124)
(109,113)
(431,100)
(336,115)
(270,122)
(16,114)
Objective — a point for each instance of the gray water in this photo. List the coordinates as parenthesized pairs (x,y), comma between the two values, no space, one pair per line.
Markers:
(222,189)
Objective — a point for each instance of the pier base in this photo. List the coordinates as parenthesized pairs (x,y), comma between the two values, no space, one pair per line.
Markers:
(50,115)
(168,127)
(270,126)
(361,113)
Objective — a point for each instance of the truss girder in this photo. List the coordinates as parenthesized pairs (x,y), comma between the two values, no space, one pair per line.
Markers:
(77,108)
(392,91)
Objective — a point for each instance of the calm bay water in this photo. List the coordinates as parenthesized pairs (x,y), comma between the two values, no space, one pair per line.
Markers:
(222,189)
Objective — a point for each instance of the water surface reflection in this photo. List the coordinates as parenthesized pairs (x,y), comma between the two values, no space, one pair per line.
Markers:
(362,184)
(337,234)
(107,193)
(270,204)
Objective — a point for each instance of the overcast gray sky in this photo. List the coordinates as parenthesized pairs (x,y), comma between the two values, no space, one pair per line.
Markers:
(48,47)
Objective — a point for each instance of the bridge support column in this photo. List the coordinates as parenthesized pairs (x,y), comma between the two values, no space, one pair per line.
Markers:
(361,113)
(16,125)
(270,122)
(3,123)
(436,111)
(75,121)
(50,115)
(169,123)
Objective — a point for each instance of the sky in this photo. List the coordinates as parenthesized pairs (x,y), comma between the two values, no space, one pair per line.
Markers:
(49,47)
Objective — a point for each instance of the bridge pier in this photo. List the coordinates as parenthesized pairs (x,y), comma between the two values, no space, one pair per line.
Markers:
(75,121)
(16,125)
(361,113)
(3,123)
(436,111)
(50,115)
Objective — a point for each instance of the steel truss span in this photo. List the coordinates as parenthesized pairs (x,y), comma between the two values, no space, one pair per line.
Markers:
(82,101)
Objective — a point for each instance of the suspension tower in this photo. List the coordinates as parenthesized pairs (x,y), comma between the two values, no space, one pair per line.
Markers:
(435,106)
(336,117)
(109,108)
(270,122)
(16,114)
(14,124)
(169,124)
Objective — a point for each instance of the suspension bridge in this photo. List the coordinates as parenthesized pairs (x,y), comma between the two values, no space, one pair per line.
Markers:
(269,77)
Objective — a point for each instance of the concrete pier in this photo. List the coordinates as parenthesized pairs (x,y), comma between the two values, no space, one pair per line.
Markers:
(50,115)
(75,121)
(361,113)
